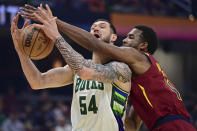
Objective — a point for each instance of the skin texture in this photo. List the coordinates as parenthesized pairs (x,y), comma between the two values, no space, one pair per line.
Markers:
(130,53)
(108,51)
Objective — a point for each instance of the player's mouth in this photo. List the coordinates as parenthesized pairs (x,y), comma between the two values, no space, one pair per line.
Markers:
(97,35)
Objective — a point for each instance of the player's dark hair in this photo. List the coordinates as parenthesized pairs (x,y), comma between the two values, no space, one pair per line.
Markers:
(111,25)
(148,35)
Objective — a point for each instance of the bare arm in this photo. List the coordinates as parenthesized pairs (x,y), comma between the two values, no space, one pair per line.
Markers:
(88,41)
(53,78)
(113,72)
(77,34)
(56,77)
(82,67)
(116,72)
(132,121)
(136,60)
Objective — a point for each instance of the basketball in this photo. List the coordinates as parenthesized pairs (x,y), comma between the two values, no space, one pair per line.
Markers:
(34,43)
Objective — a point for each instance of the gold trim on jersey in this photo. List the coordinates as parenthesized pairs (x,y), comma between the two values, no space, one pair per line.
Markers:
(144,93)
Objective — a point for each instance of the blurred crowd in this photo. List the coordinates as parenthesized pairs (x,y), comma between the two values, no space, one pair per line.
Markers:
(40,113)
(148,7)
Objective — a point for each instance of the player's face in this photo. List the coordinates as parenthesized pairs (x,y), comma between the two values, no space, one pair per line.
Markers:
(101,30)
(133,39)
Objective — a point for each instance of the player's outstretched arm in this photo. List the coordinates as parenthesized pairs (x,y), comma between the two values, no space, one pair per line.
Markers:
(87,40)
(53,78)
(132,121)
(116,72)
(86,69)
(75,33)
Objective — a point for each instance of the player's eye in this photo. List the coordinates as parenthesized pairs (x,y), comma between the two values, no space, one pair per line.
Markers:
(131,36)
(102,26)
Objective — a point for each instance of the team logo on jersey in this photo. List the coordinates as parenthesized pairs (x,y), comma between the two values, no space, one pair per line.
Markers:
(87,85)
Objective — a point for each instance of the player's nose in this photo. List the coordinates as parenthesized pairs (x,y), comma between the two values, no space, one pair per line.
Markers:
(124,41)
(96,28)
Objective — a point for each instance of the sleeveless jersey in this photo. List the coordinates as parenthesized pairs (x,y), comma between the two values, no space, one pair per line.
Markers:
(97,106)
(153,96)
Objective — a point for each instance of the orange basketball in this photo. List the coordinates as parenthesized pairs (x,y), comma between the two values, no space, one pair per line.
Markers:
(34,43)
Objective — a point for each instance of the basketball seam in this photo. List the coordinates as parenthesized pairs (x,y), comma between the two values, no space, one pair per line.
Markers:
(43,50)
(34,44)
(23,40)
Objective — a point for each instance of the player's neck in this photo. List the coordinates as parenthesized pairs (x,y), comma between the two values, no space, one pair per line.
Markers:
(99,59)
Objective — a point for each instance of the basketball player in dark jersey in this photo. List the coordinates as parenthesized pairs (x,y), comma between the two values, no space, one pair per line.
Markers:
(154,97)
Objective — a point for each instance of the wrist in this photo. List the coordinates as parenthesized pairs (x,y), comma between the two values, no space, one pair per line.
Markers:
(55,37)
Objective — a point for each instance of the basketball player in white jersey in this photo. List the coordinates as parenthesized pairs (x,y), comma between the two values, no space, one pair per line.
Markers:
(100,92)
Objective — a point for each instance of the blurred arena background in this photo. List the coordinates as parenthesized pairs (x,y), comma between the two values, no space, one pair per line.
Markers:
(173,20)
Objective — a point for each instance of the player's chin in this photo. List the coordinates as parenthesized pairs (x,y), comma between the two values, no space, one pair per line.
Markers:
(99,38)
(125,45)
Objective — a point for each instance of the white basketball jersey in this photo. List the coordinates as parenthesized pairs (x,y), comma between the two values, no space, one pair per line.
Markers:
(97,106)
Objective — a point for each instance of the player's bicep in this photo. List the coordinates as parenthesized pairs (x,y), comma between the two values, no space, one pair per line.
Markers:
(111,72)
(57,77)
(98,72)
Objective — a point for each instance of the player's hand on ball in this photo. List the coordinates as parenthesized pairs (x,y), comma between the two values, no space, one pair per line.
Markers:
(15,32)
(49,23)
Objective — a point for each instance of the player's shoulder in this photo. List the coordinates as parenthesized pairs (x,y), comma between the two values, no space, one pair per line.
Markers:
(119,64)
(120,67)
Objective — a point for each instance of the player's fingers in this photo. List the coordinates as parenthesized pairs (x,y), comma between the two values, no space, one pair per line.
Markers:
(49,10)
(43,13)
(27,16)
(12,26)
(40,19)
(24,14)
(26,10)
(16,18)
(14,23)
(25,24)
(54,18)
(30,7)
(39,26)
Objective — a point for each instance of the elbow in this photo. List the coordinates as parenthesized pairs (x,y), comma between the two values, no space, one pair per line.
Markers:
(84,74)
(35,86)
(38,82)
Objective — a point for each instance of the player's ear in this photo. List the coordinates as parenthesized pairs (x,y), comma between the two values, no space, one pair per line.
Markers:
(143,46)
(113,38)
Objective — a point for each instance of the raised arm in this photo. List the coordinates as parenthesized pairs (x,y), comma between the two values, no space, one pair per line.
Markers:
(87,40)
(84,68)
(53,78)
(79,35)
(116,72)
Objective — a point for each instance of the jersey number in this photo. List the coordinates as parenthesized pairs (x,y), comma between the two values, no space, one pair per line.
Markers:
(92,105)
(168,83)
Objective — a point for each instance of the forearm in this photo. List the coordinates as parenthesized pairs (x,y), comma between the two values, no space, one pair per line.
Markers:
(91,43)
(79,35)
(72,58)
(32,74)
(132,121)
(86,69)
